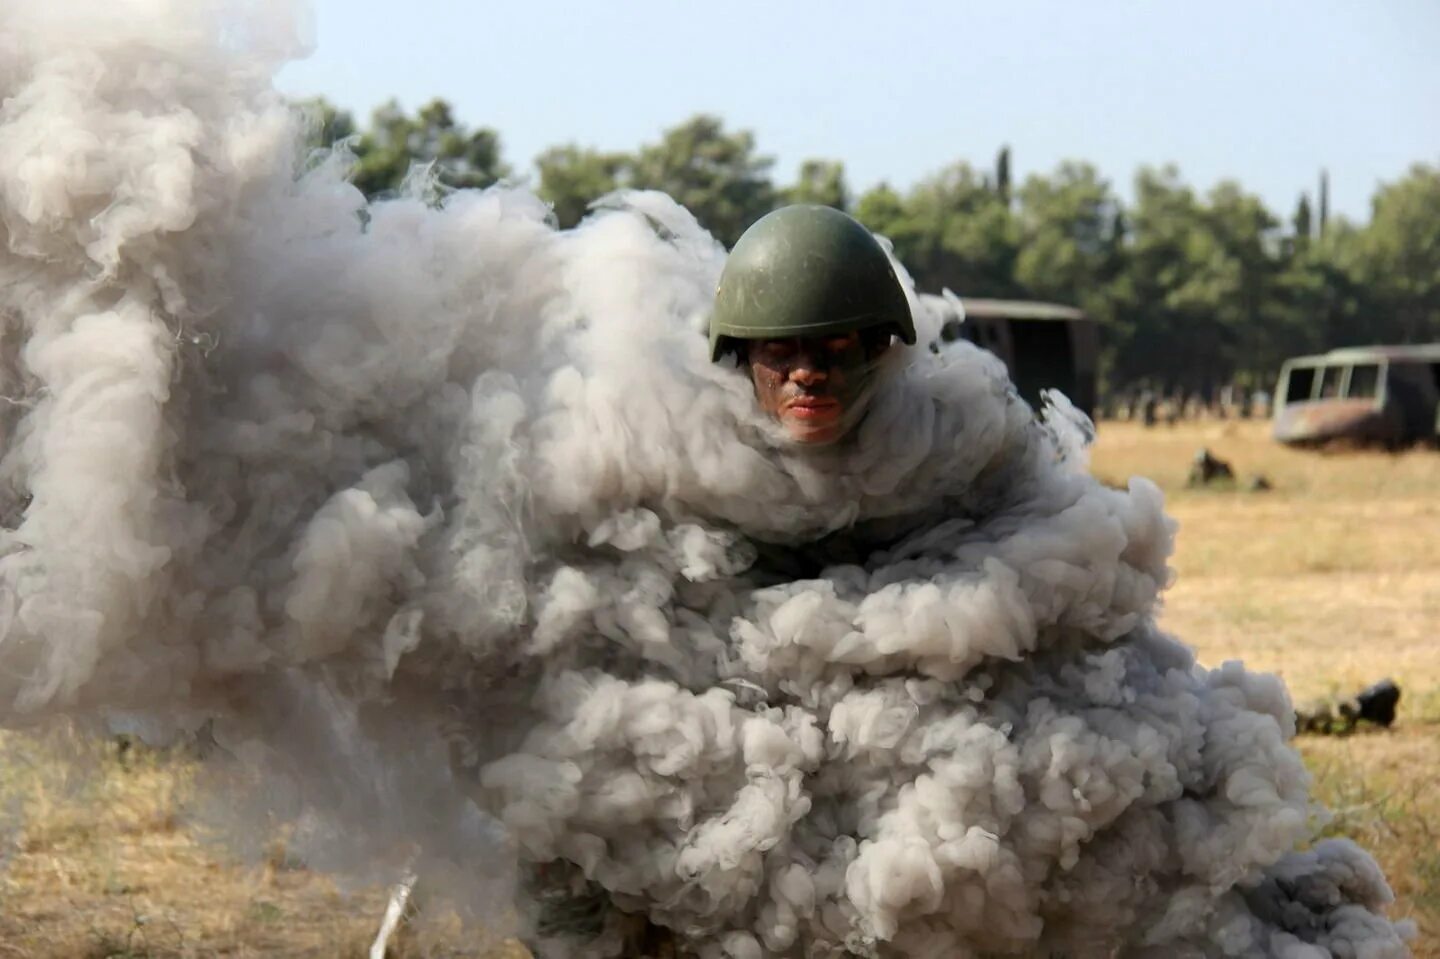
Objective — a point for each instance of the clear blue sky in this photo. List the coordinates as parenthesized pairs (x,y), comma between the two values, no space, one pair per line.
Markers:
(1265,91)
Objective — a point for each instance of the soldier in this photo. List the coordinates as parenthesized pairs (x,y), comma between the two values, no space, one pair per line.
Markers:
(1150,408)
(808,304)
(1206,468)
(808,308)
(1375,704)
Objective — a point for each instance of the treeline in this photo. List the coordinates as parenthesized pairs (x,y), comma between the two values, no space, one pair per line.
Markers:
(1195,289)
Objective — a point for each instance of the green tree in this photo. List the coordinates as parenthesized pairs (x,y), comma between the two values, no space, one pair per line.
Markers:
(1239,282)
(1302,222)
(1069,247)
(1324,199)
(821,182)
(1157,334)
(1002,174)
(462,158)
(715,174)
(961,235)
(1323,301)
(325,124)
(1196,289)
(883,211)
(1201,294)
(572,177)
(951,231)
(1399,256)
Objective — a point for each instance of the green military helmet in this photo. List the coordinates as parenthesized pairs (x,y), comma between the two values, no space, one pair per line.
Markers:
(806,271)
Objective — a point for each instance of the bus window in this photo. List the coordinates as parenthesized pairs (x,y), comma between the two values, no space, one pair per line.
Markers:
(1297,389)
(1364,382)
(1330,382)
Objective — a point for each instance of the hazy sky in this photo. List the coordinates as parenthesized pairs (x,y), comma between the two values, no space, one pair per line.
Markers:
(1264,91)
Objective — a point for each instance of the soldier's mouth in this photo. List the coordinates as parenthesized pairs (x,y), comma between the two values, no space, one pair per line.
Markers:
(813,407)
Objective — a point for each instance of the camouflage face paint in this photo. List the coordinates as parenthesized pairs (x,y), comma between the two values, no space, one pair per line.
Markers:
(816,388)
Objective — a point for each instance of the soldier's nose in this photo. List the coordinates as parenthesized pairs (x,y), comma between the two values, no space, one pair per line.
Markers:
(807,375)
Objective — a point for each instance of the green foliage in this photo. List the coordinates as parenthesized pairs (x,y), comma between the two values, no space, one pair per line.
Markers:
(1069,236)
(883,211)
(325,124)
(1200,297)
(1399,256)
(1002,174)
(1302,223)
(714,173)
(396,142)
(952,230)
(1195,290)
(717,175)
(572,177)
(1324,200)
(820,182)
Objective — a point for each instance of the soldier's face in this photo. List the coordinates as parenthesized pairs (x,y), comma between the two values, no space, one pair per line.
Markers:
(813,386)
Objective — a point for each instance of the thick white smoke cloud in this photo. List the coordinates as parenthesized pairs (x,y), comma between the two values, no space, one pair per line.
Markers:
(445,520)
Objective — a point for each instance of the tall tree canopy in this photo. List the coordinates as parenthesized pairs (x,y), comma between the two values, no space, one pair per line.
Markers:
(398,143)
(821,182)
(952,230)
(1400,256)
(716,174)
(1069,235)
(1195,289)
(573,177)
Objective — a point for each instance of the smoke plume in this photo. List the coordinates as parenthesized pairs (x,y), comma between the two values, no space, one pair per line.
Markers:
(440,521)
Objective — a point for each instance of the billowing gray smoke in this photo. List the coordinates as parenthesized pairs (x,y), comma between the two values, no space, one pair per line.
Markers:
(445,521)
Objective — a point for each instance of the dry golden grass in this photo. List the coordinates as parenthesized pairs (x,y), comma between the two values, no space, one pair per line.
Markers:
(1332,579)
(107,864)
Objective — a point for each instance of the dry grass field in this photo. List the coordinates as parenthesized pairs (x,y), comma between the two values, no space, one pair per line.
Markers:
(1331,579)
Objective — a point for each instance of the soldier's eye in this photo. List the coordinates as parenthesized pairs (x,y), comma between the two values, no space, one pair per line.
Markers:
(777,349)
(839,344)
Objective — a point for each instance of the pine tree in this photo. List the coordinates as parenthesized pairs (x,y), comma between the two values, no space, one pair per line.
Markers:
(1302,221)
(1002,175)
(1324,199)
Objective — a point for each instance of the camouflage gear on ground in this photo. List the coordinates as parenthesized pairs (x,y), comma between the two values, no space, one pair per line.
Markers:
(1376,704)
